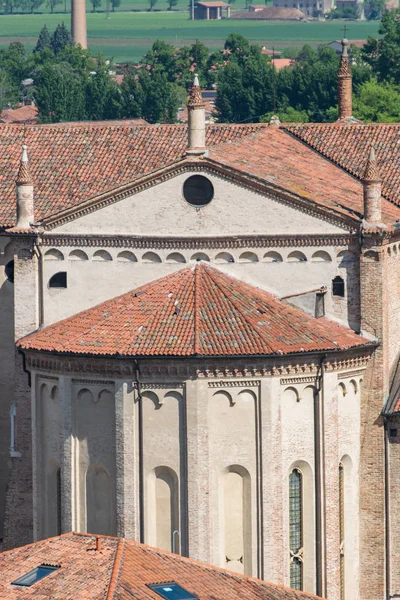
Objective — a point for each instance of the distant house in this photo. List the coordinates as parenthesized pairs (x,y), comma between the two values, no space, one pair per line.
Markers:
(336,45)
(270,13)
(23,114)
(211,10)
(256,7)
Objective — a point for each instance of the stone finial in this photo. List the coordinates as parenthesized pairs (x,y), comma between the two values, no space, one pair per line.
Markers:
(371,172)
(196,121)
(25,206)
(24,176)
(275,121)
(372,190)
(345,98)
(195,97)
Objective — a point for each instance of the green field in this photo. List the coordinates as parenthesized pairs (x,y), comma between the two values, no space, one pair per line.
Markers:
(126,36)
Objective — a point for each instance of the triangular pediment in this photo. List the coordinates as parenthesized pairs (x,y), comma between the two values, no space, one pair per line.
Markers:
(241,204)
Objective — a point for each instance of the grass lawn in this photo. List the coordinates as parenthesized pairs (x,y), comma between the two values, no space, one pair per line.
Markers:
(126,36)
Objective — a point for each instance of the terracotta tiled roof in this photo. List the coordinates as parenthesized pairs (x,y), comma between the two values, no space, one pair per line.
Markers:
(71,163)
(23,114)
(121,570)
(270,13)
(349,146)
(195,311)
(272,155)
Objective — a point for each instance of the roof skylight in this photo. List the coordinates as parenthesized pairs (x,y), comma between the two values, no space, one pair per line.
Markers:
(35,575)
(172,591)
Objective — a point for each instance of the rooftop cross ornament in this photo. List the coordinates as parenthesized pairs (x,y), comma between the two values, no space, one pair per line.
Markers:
(345,30)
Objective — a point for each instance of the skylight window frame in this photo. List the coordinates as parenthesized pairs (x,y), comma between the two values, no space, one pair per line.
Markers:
(20,581)
(157,587)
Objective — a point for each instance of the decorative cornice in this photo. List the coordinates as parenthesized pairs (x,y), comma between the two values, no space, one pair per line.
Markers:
(92,382)
(156,385)
(234,383)
(182,243)
(218,369)
(298,380)
(253,183)
(355,373)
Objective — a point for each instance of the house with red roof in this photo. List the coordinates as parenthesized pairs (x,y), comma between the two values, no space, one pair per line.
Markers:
(199,334)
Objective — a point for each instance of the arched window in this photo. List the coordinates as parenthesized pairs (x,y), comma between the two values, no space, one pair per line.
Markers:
(338,287)
(9,271)
(58,280)
(296,529)
(78,255)
(341,533)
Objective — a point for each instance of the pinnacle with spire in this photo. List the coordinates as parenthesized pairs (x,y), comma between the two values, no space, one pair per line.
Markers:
(195,97)
(24,176)
(371,172)
(344,69)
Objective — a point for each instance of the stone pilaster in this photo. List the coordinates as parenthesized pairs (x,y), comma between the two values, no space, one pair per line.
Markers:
(68,459)
(126,462)
(198,468)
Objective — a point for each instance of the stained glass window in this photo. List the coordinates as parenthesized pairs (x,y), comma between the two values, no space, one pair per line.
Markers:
(296,529)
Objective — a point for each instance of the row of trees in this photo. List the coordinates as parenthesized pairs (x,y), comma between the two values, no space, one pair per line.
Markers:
(70,84)
(9,7)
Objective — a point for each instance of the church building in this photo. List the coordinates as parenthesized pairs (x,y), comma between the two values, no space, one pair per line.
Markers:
(199,338)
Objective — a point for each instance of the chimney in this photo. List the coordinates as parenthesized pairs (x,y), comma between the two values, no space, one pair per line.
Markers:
(345,99)
(98,544)
(78,22)
(196,121)
(372,190)
(25,207)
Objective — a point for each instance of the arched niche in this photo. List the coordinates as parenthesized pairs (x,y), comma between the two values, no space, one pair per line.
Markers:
(291,394)
(54,395)
(198,256)
(348,518)
(248,257)
(153,397)
(321,256)
(53,254)
(272,257)
(85,395)
(126,256)
(52,499)
(224,395)
(342,389)
(371,256)
(151,257)
(163,509)
(296,256)
(102,256)
(100,517)
(354,386)
(78,255)
(345,257)
(223,258)
(175,258)
(237,546)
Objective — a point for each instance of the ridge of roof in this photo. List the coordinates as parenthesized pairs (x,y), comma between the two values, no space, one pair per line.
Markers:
(116,568)
(195,311)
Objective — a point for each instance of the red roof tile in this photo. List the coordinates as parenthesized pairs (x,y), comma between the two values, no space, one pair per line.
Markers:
(123,570)
(71,163)
(195,311)
(273,156)
(349,147)
(23,114)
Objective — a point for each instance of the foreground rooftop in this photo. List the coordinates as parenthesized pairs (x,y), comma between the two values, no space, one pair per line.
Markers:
(106,568)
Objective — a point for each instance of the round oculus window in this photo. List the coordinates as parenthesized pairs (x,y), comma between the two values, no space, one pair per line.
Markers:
(198,190)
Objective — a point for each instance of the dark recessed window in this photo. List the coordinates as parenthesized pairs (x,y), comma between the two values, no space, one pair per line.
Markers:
(393,433)
(35,575)
(9,271)
(171,591)
(338,287)
(59,280)
(198,190)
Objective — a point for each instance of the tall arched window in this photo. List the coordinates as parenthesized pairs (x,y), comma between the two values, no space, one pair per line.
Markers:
(341,533)
(296,529)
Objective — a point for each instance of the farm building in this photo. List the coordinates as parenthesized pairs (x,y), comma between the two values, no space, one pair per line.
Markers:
(271,13)
(211,10)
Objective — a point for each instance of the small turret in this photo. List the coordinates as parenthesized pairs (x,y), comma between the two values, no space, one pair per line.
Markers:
(24,182)
(372,190)
(345,97)
(196,121)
